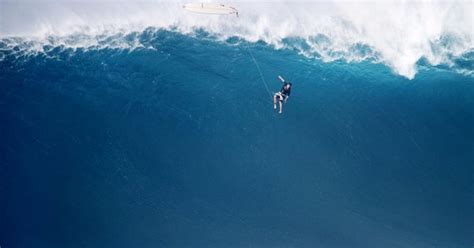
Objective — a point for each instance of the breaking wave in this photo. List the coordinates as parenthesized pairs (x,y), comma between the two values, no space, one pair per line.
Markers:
(401,35)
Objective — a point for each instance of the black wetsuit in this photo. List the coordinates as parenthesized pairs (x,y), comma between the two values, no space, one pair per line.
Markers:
(285,92)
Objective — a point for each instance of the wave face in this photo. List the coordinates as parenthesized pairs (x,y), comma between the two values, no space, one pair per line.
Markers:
(398,34)
(175,143)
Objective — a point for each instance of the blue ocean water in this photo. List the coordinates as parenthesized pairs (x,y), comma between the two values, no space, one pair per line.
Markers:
(178,145)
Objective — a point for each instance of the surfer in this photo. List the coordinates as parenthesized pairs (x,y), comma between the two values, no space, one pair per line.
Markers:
(282,95)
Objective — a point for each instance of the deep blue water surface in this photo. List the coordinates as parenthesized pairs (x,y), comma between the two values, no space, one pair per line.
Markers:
(180,147)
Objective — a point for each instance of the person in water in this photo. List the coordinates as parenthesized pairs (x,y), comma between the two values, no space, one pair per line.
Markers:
(282,95)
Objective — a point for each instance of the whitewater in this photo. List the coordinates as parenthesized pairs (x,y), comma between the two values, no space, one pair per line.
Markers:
(398,34)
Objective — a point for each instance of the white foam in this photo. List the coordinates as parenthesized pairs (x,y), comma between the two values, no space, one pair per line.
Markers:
(399,33)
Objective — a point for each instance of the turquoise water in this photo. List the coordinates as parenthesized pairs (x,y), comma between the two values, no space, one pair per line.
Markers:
(177,145)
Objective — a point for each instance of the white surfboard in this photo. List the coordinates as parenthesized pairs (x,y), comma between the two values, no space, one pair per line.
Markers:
(210,8)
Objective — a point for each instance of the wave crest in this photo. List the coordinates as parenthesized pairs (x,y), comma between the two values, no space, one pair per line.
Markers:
(401,35)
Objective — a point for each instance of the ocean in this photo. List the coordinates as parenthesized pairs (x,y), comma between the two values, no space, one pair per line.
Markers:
(166,136)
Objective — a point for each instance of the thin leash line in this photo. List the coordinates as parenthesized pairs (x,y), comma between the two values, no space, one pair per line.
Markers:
(259,71)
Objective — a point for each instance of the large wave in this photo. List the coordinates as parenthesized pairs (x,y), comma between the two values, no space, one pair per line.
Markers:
(400,34)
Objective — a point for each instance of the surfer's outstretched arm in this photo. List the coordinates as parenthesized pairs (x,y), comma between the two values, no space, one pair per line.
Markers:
(281,78)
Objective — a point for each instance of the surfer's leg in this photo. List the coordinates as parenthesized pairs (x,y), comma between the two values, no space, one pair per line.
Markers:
(281,107)
(275,101)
